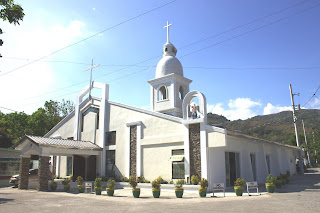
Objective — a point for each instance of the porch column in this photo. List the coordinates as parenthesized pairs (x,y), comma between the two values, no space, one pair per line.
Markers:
(24,172)
(44,172)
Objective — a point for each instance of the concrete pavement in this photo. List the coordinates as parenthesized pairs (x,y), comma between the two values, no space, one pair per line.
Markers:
(302,194)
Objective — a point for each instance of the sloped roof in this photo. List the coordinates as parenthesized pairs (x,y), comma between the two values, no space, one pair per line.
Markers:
(57,142)
(241,135)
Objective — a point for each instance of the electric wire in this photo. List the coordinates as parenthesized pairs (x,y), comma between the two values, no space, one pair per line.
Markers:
(224,40)
(250,31)
(82,40)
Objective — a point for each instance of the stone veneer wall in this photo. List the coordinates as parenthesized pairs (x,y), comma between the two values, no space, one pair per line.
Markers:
(133,150)
(24,173)
(43,172)
(195,152)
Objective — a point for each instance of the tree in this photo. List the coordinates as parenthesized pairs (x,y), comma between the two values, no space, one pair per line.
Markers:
(10,12)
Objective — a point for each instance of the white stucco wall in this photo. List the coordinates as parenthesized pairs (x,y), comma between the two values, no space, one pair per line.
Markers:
(65,131)
(155,131)
(156,160)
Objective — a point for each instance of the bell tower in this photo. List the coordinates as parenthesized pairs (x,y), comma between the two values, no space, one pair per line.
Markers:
(169,86)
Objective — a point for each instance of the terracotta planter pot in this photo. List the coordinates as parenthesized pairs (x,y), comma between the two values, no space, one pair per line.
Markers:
(270,187)
(110,192)
(203,192)
(98,190)
(81,188)
(136,192)
(156,193)
(179,192)
(238,190)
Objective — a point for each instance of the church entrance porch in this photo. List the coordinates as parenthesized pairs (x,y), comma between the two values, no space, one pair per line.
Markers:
(73,151)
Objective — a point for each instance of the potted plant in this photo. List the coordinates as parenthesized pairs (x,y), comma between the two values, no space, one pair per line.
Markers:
(238,186)
(97,186)
(287,177)
(270,184)
(195,179)
(178,188)
(133,183)
(110,187)
(66,185)
(156,184)
(80,184)
(203,187)
(278,182)
(53,186)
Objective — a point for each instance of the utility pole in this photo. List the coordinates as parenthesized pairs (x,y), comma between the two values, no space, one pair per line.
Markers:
(305,139)
(296,128)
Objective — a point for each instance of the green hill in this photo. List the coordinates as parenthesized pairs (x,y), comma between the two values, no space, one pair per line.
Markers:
(277,127)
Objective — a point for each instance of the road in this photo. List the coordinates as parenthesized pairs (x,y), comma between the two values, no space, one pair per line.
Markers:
(301,195)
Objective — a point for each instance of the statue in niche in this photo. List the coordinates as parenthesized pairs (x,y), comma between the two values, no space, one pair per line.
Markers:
(194,111)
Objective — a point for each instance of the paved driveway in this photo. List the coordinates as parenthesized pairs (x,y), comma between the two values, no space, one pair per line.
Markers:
(301,195)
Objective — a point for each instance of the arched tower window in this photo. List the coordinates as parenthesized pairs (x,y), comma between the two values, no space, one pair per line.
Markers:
(162,93)
(181,92)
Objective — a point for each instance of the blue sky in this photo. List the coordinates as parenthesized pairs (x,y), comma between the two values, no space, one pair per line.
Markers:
(243,69)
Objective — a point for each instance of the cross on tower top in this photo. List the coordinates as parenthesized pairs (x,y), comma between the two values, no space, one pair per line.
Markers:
(167,26)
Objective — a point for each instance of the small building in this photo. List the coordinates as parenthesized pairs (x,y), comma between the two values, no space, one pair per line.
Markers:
(9,165)
(172,139)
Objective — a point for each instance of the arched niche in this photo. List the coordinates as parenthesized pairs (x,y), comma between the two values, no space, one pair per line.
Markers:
(162,93)
(202,108)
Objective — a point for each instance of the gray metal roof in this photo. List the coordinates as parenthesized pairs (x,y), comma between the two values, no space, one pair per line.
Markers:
(63,142)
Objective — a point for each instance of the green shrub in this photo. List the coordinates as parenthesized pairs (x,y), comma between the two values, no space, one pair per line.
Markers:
(133,181)
(195,179)
(141,179)
(65,181)
(124,179)
(156,184)
(170,182)
(111,184)
(79,180)
(97,182)
(240,182)
(179,183)
(271,179)
(204,183)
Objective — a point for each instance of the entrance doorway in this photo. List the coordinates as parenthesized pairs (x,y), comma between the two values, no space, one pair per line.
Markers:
(232,167)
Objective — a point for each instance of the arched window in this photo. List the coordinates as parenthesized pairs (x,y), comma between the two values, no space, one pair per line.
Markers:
(181,92)
(162,93)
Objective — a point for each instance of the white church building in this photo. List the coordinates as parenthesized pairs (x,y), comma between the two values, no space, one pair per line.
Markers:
(172,139)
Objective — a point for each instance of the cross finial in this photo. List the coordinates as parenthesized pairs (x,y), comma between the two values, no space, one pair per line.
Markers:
(167,26)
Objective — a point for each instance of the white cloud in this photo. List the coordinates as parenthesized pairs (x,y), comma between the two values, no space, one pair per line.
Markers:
(240,108)
(315,103)
(30,81)
(271,109)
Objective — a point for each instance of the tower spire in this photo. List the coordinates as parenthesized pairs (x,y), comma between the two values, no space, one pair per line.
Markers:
(167,26)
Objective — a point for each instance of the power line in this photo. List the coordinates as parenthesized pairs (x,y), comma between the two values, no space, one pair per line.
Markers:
(243,25)
(185,67)
(314,94)
(109,28)
(208,46)
(250,31)
(8,109)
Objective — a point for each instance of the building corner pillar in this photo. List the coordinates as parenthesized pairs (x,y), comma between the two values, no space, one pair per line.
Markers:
(24,172)
(43,173)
